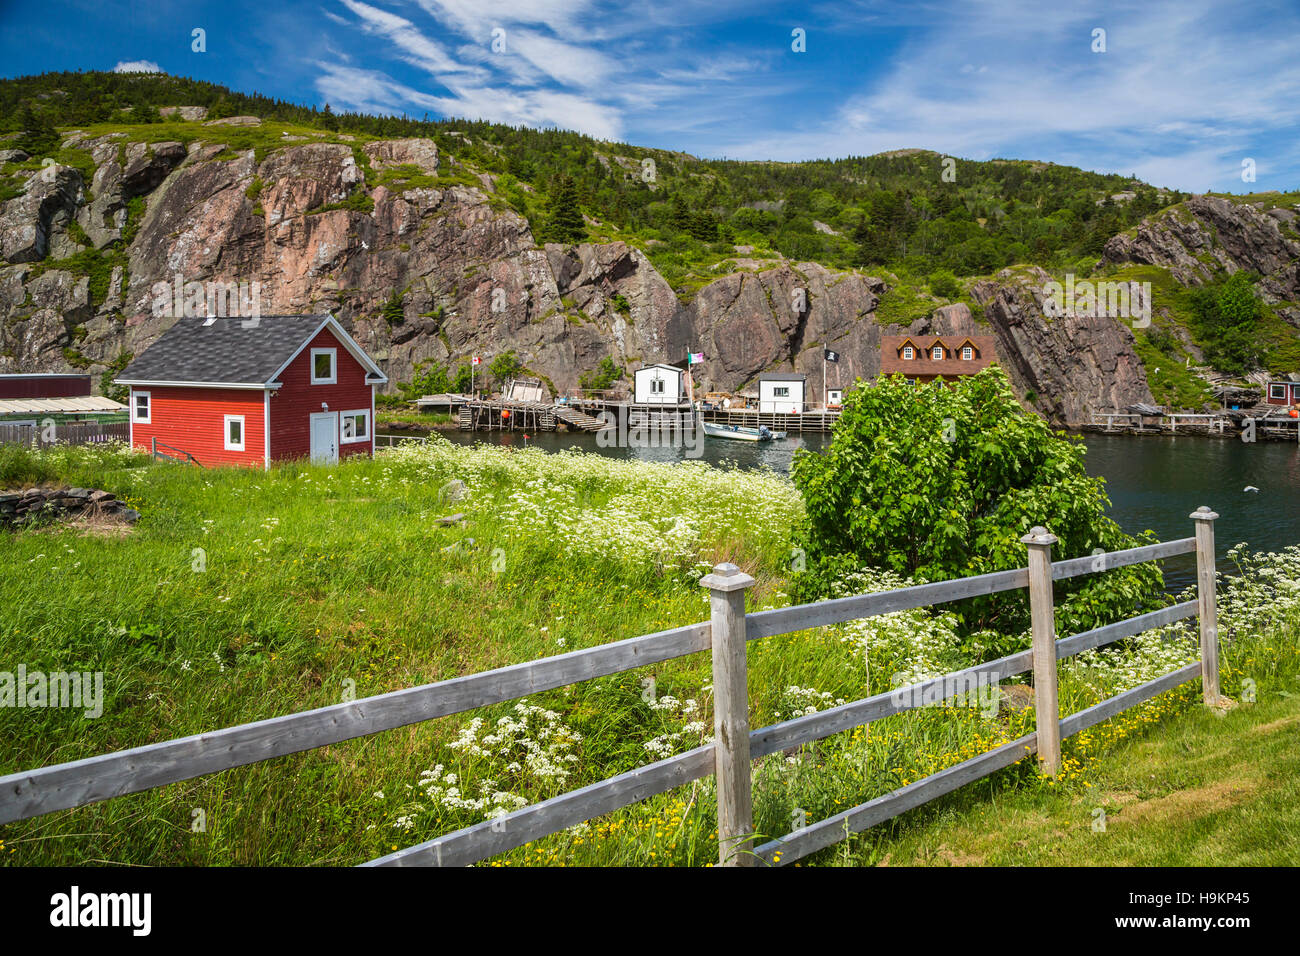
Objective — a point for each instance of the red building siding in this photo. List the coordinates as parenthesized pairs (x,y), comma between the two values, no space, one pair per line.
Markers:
(44,386)
(1290,393)
(193,420)
(298,399)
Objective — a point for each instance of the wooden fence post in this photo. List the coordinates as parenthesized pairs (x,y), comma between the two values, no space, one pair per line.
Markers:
(1042,614)
(726,587)
(1207,604)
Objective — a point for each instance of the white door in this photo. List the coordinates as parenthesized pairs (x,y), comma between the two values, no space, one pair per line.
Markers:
(324,438)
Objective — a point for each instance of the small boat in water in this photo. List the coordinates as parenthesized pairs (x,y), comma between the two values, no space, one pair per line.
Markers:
(740,433)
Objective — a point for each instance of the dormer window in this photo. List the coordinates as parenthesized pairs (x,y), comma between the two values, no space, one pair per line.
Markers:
(908,353)
(967,353)
(937,352)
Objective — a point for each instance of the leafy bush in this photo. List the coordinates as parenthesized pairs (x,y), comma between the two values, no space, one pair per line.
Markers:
(935,481)
(431,378)
(944,284)
(1226,316)
(506,366)
(602,377)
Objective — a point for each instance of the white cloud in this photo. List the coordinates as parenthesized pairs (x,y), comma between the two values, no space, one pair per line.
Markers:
(416,48)
(1178,92)
(370,91)
(136,66)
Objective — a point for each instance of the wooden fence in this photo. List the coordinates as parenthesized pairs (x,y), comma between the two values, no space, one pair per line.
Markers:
(392,441)
(735,746)
(161,451)
(68,433)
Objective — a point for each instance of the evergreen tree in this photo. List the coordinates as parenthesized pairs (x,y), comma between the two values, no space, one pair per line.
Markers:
(394,313)
(38,136)
(564,221)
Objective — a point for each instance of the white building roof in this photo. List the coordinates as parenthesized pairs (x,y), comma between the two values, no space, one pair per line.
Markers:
(671,368)
(82,404)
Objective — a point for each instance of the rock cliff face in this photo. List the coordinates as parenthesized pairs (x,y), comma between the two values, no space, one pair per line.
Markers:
(1209,234)
(1072,363)
(301,222)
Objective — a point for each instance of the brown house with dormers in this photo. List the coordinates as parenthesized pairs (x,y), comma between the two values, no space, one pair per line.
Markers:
(923,358)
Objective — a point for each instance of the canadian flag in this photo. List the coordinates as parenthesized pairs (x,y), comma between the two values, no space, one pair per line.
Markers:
(476,360)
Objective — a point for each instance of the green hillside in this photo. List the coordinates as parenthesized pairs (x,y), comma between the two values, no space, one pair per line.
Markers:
(928,224)
(890,209)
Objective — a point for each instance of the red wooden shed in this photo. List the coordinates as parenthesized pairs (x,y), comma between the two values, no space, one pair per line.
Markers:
(1282,392)
(238,391)
(44,385)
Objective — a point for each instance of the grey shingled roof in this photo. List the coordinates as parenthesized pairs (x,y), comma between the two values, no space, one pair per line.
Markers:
(224,352)
(782,377)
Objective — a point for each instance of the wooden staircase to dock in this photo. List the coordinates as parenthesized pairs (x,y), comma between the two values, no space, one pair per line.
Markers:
(579,420)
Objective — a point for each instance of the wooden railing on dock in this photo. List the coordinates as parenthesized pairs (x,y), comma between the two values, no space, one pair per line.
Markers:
(726,634)
(1206,423)
(814,421)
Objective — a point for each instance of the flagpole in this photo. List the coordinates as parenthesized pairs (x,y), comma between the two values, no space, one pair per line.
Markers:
(825,403)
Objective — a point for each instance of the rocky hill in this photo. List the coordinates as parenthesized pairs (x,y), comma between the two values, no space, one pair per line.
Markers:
(421,258)
(1207,235)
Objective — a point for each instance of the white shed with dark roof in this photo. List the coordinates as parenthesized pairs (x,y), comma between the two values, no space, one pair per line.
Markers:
(782,392)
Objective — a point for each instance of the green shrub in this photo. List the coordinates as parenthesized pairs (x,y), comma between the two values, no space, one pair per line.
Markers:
(935,482)
(944,284)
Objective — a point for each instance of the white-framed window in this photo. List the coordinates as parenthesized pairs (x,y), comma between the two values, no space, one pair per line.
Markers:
(967,353)
(908,353)
(355,426)
(657,386)
(1274,391)
(324,366)
(937,352)
(780,391)
(141,406)
(234,432)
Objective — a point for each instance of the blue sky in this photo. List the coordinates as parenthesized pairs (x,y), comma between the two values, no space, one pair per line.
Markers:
(1183,93)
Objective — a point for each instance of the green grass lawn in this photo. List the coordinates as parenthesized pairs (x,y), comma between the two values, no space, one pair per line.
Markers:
(246,594)
(1200,790)
(387,417)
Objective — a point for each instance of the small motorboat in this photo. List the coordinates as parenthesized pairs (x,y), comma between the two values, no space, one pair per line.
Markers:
(740,433)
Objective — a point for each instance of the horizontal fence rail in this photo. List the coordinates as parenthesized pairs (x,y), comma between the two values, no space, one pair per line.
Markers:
(833,720)
(81,782)
(558,813)
(824,833)
(801,617)
(1087,640)
(1108,560)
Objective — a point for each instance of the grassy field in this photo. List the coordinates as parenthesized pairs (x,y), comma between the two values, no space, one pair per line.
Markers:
(242,595)
(1201,790)
(387,417)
